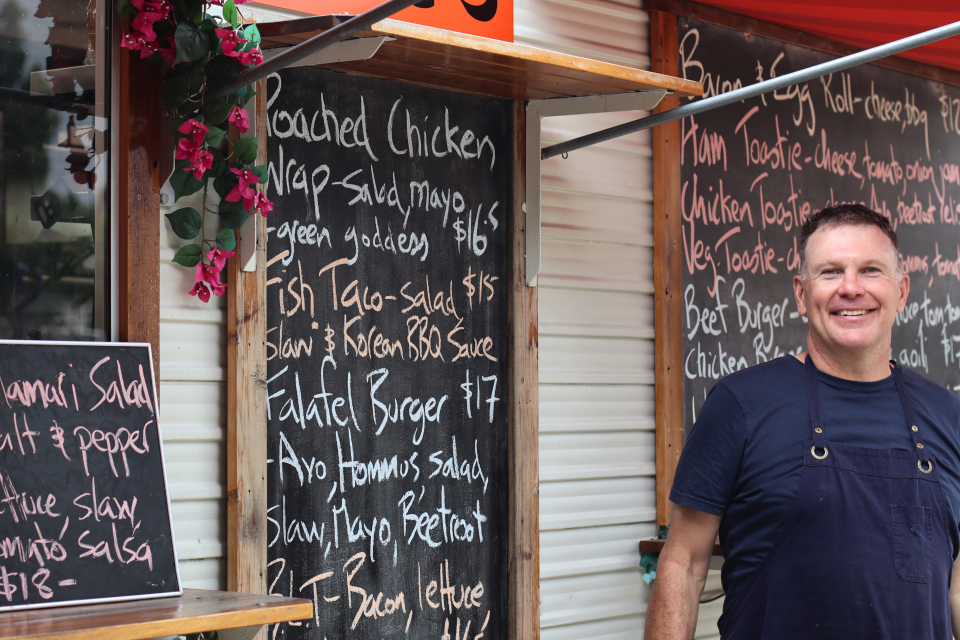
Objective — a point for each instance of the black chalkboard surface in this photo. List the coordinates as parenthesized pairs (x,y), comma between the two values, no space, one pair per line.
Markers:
(752,172)
(387,345)
(84,514)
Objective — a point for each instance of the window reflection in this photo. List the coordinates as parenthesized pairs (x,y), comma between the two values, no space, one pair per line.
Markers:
(53,170)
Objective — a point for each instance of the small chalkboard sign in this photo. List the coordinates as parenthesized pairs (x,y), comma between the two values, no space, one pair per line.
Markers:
(84,512)
(387,291)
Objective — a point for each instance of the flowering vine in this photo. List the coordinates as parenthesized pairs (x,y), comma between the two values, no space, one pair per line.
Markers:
(206,53)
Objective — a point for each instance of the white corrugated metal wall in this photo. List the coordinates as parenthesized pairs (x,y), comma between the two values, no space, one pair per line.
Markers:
(597,460)
(193,398)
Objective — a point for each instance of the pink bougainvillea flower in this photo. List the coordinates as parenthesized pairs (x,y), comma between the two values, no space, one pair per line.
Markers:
(230,42)
(253,57)
(187,149)
(143,24)
(195,129)
(219,290)
(243,188)
(219,257)
(209,274)
(239,118)
(261,204)
(202,162)
(200,290)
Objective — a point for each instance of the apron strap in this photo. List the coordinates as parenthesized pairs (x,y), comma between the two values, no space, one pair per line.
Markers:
(813,397)
(911,416)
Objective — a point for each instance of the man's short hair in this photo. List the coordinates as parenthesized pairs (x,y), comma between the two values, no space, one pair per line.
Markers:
(843,215)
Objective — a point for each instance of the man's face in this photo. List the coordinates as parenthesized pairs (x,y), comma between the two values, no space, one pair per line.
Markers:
(851,294)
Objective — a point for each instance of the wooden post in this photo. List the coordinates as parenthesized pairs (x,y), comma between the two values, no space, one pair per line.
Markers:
(247,406)
(137,125)
(667,269)
(523,419)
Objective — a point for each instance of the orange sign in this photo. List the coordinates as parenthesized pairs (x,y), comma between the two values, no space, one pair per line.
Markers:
(486,18)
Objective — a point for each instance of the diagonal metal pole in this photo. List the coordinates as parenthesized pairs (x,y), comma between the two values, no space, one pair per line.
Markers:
(754,90)
(330,37)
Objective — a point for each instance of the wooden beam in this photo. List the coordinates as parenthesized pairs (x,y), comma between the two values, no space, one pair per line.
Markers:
(523,419)
(247,405)
(667,269)
(138,208)
(746,24)
(195,611)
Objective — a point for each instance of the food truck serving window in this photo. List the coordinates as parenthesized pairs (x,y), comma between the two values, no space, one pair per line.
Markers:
(53,169)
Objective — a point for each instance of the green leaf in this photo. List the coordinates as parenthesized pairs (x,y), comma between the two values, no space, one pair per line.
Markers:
(224,184)
(189,256)
(183,183)
(193,76)
(252,34)
(226,239)
(234,215)
(193,42)
(221,71)
(230,13)
(124,8)
(245,150)
(185,222)
(261,172)
(174,92)
(219,164)
(215,111)
(209,25)
(214,136)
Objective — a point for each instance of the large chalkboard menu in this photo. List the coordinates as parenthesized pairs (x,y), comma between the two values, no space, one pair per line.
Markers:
(386,347)
(754,171)
(84,514)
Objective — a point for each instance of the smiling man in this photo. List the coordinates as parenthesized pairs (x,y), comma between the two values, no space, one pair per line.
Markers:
(832,476)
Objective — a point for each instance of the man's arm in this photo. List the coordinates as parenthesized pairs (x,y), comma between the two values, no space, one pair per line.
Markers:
(682,572)
(954,598)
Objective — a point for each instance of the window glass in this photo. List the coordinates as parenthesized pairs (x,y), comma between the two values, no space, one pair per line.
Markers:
(54,68)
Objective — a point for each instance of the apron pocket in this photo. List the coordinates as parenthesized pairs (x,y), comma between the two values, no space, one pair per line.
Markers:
(912,534)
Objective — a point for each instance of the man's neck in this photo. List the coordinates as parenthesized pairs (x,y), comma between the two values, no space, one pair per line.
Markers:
(861,367)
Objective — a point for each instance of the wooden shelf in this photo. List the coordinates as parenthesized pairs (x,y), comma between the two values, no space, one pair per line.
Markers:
(656,546)
(477,66)
(195,611)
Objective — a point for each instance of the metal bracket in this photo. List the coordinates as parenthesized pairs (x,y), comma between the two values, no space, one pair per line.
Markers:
(343,51)
(536,111)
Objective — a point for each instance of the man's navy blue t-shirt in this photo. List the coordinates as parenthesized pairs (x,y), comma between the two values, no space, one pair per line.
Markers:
(744,455)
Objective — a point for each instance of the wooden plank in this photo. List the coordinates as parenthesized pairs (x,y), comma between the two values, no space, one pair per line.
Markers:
(137,125)
(667,270)
(524,398)
(479,66)
(195,611)
(247,405)
(656,546)
(746,24)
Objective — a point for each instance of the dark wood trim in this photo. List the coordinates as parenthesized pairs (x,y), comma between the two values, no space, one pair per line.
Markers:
(667,269)
(746,24)
(138,204)
(247,404)
(523,419)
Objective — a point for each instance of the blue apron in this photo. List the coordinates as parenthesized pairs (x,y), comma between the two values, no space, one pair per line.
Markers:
(865,551)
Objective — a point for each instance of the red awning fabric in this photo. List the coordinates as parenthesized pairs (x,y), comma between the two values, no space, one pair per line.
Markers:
(862,23)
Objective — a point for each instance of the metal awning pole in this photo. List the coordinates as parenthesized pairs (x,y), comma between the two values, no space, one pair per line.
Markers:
(754,90)
(330,37)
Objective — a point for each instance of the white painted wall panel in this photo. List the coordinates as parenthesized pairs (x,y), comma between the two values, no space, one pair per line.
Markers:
(597,458)
(193,399)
